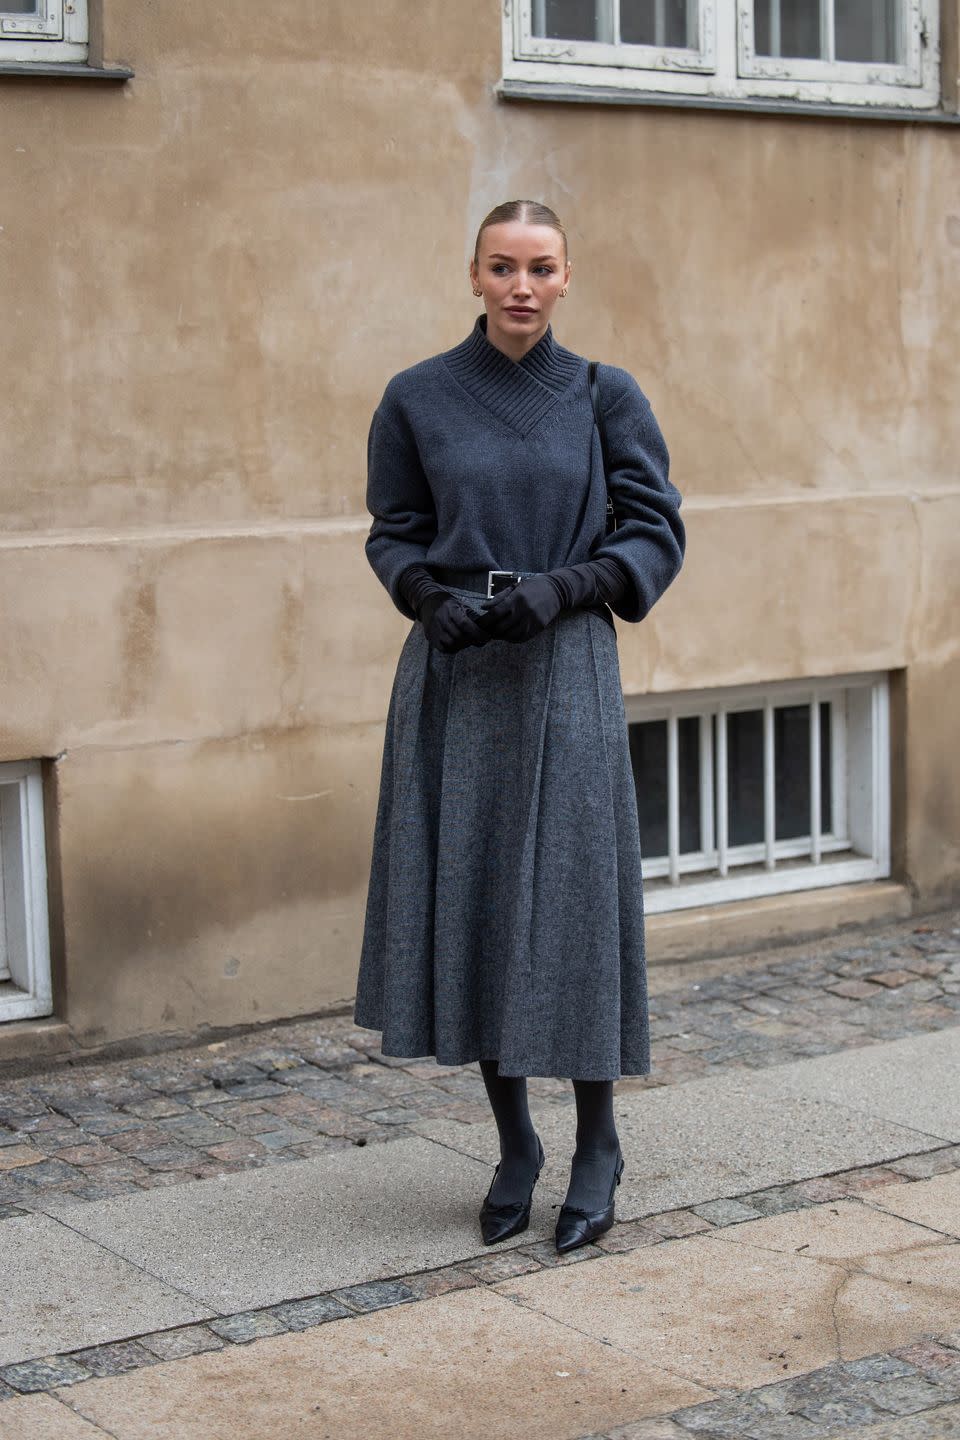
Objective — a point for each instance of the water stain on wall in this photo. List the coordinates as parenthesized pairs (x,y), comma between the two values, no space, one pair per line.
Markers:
(139,643)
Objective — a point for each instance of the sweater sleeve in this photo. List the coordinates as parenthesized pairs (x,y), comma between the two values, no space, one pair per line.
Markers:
(399,499)
(650,539)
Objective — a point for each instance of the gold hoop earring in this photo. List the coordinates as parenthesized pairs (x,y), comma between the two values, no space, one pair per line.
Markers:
(563,292)
(476,291)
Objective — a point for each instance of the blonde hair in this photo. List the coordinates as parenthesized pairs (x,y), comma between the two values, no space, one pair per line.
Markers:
(530,212)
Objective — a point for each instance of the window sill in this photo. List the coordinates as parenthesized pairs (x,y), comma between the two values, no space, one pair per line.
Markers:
(64,71)
(33,1040)
(741,926)
(607,95)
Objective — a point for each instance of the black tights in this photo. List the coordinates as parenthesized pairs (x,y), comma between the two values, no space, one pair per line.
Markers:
(591,1173)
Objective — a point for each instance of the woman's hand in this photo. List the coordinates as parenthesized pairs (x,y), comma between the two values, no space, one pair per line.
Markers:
(449,625)
(522,611)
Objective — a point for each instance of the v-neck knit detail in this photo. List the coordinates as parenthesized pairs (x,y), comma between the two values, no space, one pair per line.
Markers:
(465,474)
(518,393)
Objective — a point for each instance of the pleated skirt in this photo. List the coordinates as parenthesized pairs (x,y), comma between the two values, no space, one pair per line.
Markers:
(504,915)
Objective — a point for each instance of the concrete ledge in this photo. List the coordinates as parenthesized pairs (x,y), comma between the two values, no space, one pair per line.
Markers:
(34,1038)
(31,69)
(577,94)
(746,925)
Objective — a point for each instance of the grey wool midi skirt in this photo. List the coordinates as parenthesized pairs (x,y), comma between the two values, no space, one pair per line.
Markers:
(504,915)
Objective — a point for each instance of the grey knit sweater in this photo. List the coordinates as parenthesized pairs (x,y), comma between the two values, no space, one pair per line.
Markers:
(476,461)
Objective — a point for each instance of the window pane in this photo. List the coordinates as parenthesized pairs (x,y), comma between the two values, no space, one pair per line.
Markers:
(688,745)
(19,7)
(648,755)
(791,749)
(659,22)
(867,30)
(564,19)
(788,28)
(826,769)
(745,777)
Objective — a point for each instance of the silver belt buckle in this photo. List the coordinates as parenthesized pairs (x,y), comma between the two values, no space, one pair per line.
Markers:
(495,590)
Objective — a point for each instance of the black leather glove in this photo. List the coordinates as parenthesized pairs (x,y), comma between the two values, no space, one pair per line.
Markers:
(529,606)
(523,610)
(602,581)
(447,623)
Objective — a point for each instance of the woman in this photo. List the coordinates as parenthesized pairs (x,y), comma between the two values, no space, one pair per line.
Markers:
(504,918)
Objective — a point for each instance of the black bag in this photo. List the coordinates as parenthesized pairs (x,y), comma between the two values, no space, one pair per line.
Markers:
(612,521)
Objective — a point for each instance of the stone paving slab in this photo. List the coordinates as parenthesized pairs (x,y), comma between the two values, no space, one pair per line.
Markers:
(846,1231)
(62,1291)
(913,1081)
(256,1238)
(706,1140)
(918,1270)
(469,1365)
(43,1417)
(934,1202)
(761,1302)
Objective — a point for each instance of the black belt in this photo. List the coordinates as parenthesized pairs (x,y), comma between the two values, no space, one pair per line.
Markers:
(485,582)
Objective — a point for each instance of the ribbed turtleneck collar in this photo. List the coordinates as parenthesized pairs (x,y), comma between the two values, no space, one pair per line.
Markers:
(517,392)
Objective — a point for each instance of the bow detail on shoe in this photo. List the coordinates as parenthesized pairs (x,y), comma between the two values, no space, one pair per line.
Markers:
(577,1227)
(499,1222)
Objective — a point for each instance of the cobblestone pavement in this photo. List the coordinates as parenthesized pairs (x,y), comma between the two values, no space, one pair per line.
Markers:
(91,1130)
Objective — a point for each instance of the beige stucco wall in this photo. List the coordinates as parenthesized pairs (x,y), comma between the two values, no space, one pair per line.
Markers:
(208,275)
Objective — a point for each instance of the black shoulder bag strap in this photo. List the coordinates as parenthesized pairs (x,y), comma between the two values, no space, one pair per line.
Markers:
(602,431)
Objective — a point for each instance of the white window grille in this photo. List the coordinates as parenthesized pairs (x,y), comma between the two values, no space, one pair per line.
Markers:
(34,31)
(24,936)
(748,792)
(849,52)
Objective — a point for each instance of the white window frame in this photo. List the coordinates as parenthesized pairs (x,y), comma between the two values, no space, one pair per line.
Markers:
(908,72)
(856,849)
(609,52)
(25,984)
(59,32)
(725,65)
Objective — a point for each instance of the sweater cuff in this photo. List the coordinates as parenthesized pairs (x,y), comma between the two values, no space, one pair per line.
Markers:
(602,581)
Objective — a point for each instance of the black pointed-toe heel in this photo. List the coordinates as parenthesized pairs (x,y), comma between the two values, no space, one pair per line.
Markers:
(577,1227)
(499,1222)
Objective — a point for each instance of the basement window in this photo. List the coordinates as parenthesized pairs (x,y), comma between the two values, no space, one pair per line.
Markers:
(761,791)
(24,935)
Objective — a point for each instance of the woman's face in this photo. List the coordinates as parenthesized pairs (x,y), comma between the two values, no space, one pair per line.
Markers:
(521,272)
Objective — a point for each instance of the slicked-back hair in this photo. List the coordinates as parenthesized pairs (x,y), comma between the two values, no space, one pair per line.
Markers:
(529,212)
